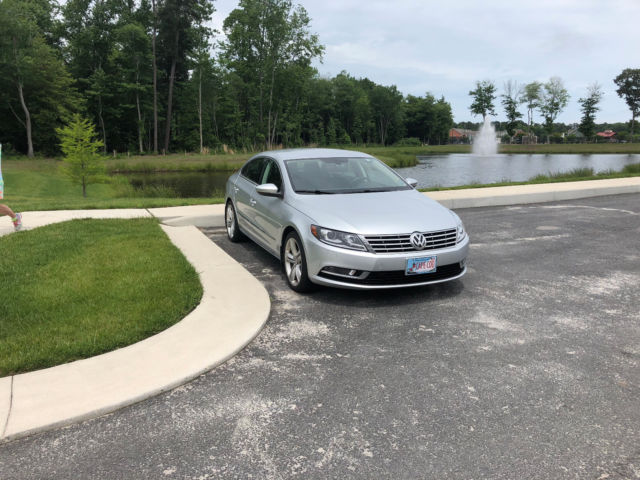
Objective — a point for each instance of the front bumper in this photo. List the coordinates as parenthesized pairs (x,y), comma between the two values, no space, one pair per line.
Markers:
(339,267)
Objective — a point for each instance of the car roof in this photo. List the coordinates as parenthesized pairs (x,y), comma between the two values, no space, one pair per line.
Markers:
(301,153)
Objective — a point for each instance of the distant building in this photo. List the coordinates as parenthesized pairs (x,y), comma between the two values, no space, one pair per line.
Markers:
(575,132)
(461,135)
(607,135)
(464,135)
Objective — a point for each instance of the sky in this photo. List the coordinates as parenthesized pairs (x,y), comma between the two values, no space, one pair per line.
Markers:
(444,47)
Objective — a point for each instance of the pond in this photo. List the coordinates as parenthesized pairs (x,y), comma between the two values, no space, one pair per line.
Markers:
(464,169)
(182,184)
(431,171)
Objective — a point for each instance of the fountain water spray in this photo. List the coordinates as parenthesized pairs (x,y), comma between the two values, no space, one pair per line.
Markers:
(485,142)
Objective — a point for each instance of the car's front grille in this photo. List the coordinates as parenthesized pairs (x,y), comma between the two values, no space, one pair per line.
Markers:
(401,242)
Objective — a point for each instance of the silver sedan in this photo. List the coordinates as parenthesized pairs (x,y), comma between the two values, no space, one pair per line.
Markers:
(343,219)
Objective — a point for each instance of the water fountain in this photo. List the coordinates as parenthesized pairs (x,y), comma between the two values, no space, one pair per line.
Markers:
(485,142)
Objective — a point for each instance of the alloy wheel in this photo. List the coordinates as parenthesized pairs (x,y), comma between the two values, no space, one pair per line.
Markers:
(231,221)
(293,261)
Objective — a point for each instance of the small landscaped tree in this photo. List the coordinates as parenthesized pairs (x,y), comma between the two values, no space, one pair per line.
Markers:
(510,101)
(589,107)
(531,99)
(483,97)
(553,99)
(82,162)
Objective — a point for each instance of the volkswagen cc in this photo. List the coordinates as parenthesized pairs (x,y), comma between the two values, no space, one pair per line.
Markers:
(343,219)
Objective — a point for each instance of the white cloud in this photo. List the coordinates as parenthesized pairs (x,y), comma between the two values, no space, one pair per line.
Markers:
(444,47)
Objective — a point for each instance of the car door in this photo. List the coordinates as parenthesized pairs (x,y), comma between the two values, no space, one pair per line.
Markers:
(270,211)
(245,193)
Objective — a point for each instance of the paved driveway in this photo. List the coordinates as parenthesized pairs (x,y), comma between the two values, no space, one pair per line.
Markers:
(529,367)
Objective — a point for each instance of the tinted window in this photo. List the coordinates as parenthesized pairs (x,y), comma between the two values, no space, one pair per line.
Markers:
(272,174)
(253,169)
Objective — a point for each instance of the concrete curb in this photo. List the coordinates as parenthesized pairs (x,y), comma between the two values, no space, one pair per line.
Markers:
(233,310)
(523,194)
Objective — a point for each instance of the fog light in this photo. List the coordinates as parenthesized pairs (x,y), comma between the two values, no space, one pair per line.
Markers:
(343,272)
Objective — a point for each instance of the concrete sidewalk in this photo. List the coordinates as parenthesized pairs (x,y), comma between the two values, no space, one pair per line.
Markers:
(233,309)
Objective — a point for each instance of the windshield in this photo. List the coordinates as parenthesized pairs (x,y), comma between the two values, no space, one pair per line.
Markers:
(342,175)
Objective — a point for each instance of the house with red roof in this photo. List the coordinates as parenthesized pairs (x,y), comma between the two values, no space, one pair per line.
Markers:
(607,135)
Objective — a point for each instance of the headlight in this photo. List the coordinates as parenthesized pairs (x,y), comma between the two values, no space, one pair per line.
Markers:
(337,238)
(461,232)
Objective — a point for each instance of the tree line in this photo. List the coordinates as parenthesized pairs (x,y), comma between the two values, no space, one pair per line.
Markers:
(549,99)
(153,77)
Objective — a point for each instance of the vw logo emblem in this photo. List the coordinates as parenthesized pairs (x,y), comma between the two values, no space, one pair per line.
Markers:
(418,240)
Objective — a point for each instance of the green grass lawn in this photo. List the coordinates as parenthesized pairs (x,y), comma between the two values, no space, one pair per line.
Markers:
(77,289)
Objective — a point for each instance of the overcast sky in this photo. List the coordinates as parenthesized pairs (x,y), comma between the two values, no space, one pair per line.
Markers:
(445,46)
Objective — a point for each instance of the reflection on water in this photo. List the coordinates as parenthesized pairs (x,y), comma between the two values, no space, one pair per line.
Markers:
(432,171)
(464,169)
(183,184)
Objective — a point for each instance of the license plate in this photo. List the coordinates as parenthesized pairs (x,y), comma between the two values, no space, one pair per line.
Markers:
(416,266)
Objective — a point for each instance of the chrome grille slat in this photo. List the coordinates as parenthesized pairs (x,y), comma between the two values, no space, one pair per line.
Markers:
(396,243)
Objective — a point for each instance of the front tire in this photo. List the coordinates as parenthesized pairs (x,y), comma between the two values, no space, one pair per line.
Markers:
(231,223)
(294,262)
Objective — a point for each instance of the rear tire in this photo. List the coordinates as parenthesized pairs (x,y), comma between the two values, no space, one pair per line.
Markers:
(231,223)
(294,262)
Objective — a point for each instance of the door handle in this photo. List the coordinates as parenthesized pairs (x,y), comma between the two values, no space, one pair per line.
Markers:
(252,202)
(236,189)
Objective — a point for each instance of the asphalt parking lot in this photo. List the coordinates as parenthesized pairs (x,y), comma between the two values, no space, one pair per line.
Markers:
(528,367)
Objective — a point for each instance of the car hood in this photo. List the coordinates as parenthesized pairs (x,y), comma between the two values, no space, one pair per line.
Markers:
(381,213)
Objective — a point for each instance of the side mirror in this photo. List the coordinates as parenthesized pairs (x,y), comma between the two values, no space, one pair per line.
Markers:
(268,190)
(412,182)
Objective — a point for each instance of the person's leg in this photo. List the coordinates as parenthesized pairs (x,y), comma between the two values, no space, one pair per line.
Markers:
(16,218)
(4,210)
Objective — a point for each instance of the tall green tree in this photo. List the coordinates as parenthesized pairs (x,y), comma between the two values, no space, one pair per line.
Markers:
(34,83)
(131,63)
(386,104)
(427,119)
(510,102)
(82,163)
(182,28)
(154,54)
(628,83)
(265,38)
(553,99)
(589,107)
(443,122)
(484,96)
(531,97)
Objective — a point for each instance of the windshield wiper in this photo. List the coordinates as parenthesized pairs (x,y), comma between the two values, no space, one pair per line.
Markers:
(317,192)
(369,190)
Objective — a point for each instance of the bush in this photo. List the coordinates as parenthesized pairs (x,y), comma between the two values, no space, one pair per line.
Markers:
(633,168)
(556,138)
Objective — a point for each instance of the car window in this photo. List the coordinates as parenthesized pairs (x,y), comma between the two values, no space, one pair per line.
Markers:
(342,175)
(272,174)
(253,169)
